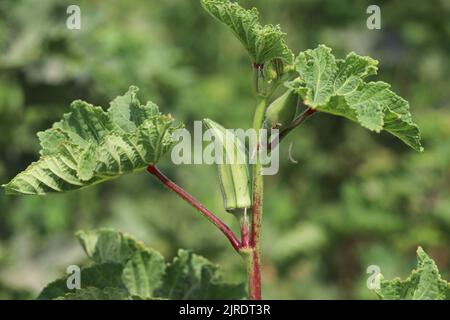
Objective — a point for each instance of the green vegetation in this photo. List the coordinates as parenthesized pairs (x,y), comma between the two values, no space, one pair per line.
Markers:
(125,269)
(424,283)
(355,199)
(89,146)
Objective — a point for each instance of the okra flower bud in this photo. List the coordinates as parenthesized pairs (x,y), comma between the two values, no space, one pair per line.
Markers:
(282,111)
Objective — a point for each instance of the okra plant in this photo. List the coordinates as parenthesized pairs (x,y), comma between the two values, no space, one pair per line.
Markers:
(91,145)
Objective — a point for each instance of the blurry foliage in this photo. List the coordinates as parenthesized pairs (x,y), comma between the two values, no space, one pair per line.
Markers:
(424,283)
(354,198)
(125,266)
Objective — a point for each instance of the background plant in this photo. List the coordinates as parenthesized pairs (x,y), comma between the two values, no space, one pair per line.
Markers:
(125,269)
(372,207)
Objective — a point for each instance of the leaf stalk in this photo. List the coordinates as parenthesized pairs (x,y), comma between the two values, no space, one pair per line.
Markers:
(197,205)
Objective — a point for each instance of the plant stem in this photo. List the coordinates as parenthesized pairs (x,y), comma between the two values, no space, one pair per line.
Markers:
(254,255)
(197,205)
(258,75)
(253,252)
(252,258)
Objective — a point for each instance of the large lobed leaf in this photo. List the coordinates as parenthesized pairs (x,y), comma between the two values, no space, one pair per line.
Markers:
(192,277)
(90,145)
(263,43)
(99,276)
(424,283)
(338,87)
(125,268)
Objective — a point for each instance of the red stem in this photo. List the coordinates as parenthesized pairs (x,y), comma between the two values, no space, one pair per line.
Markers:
(254,275)
(197,205)
(254,258)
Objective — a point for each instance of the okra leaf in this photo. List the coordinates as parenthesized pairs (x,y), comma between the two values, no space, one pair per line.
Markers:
(263,43)
(109,246)
(424,283)
(143,273)
(338,87)
(142,267)
(99,276)
(125,268)
(193,277)
(90,145)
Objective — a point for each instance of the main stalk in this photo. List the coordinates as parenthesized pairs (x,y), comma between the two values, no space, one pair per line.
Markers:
(253,252)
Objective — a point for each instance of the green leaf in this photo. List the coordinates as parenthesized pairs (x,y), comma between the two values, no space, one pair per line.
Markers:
(263,43)
(89,146)
(143,273)
(106,245)
(424,283)
(99,276)
(140,276)
(124,268)
(338,87)
(190,276)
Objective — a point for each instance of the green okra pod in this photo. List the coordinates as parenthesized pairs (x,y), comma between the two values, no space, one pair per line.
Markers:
(233,172)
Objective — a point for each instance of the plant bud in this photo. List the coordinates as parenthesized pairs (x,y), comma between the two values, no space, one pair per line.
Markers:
(282,111)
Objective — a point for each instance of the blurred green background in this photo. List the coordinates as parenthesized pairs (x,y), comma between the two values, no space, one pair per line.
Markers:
(354,199)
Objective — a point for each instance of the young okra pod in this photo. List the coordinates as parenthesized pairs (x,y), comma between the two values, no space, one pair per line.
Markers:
(234,177)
